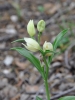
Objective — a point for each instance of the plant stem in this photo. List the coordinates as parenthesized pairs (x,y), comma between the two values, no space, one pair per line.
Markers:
(39,36)
(47,89)
(47,68)
(46,79)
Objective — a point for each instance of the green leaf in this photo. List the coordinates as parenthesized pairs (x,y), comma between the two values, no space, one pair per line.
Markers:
(41,8)
(67,98)
(19,40)
(30,57)
(17,8)
(38,98)
(48,51)
(64,41)
(59,38)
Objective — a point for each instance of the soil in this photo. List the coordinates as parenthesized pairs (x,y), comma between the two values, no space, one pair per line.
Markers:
(19,79)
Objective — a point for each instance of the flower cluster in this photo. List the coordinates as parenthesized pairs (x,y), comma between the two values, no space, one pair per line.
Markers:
(31,43)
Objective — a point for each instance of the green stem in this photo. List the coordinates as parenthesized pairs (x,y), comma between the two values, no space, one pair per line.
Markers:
(46,78)
(47,68)
(47,89)
(39,37)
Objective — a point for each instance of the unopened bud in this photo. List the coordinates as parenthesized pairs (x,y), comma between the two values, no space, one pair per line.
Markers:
(41,26)
(30,28)
(47,46)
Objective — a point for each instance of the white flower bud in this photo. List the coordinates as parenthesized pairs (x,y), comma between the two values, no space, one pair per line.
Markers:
(41,26)
(31,44)
(47,46)
(30,28)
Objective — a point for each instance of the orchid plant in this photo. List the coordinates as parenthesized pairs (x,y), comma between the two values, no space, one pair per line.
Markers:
(47,52)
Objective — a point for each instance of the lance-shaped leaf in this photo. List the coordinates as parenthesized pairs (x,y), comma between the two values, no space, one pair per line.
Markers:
(30,57)
(38,98)
(58,38)
(19,40)
(67,98)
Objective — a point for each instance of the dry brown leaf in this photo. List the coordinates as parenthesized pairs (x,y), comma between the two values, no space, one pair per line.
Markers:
(32,89)
(19,83)
(44,38)
(47,6)
(16,97)
(22,65)
(54,9)
(51,8)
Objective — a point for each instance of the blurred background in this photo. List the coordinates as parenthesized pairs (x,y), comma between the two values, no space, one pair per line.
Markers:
(19,80)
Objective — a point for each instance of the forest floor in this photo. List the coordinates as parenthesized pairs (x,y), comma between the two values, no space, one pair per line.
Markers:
(19,80)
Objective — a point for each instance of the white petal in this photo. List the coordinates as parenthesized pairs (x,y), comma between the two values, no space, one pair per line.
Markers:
(32,45)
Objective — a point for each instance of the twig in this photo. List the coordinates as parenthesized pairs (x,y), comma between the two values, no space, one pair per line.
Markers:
(63,93)
(66,55)
(60,12)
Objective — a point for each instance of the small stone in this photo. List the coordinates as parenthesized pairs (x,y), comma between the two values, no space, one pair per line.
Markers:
(72,5)
(14,18)
(2,84)
(1,98)
(11,76)
(1,95)
(2,45)
(52,78)
(5,98)
(11,31)
(58,76)
(24,97)
(21,75)
(10,90)
(5,80)
(13,91)
(6,71)
(8,60)
(33,78)
(56,64)
(62,87)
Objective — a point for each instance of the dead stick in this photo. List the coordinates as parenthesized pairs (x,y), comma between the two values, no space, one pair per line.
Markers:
(63,93)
